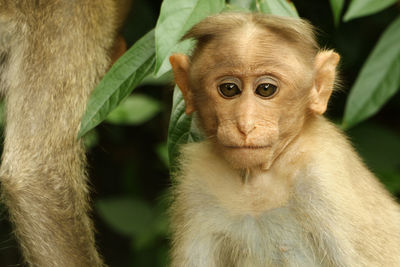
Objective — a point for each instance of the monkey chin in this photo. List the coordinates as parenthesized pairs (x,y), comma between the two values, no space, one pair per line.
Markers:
(248,157)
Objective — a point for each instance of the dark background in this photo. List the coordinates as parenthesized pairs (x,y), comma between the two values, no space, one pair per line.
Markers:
(127,164)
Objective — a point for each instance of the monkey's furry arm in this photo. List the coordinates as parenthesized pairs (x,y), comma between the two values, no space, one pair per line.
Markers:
(56,52)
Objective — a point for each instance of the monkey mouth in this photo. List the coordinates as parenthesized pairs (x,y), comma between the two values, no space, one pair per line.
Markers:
(248,147)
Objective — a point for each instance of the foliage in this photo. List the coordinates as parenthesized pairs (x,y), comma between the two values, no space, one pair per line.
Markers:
(276,7)
(378,80)
(123,77)
(135,218)
(177,17)
(359,8)
(182,128)
(382,154)
(337,6)
(136,109)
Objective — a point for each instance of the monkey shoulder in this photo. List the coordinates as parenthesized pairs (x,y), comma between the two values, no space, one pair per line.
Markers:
(333,173)
(338,198)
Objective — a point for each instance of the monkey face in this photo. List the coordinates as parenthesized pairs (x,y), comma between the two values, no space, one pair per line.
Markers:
(251,116)
(252,101)
(252,96)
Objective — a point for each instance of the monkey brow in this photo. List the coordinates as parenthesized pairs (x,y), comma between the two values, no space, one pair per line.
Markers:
(238,67)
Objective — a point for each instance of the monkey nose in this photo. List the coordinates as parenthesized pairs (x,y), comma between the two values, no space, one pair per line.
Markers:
(246,127)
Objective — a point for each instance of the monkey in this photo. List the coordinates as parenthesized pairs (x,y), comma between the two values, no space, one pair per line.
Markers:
(274,183)
(52,54)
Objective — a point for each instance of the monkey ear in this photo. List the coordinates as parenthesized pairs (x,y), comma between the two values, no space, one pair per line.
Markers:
(324,78)
(180,67)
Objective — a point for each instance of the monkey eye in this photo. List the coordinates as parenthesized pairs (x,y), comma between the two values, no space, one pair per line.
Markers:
(266,90)
(229,90)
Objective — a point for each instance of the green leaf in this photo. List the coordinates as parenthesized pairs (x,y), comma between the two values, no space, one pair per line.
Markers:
(379,78)
(337,6)
(123,77)
(245,4)
(162,152)
(277,7)
(234,8)
(125,215)
(390,179)
(177,17)
(182,128)
(134,218)
(360,8)
(136,109)
(166,78)
(379,147)
(90,139)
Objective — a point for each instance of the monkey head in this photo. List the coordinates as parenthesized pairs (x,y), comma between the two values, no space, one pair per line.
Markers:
(254,83)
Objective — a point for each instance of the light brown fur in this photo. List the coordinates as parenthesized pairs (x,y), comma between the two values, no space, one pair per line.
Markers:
(275,184)
(54,53)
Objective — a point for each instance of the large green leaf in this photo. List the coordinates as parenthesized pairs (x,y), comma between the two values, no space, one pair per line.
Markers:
(136,109)
(177,17)
(378,80)
(337,6)
(118,83)
(277,7)
(360,8)
(182,128)
(244,4)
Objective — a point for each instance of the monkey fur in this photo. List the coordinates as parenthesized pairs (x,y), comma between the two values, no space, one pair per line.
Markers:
(275,183)
(52,54)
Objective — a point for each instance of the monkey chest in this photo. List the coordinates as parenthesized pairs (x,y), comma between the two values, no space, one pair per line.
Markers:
(224,227)
(274,238)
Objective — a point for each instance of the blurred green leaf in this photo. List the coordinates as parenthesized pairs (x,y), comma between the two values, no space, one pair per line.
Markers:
(91,139)
(135,109)
(245,4)
(158,227)
(127,216)
(277,7)
(162,152)
(378,80)
(134,218)
(177,17)
(166,78)
(360,8)
(234,8)
(337,6)
(390,179)
(380,148)
(163,256)
(182,128)
(119,82)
